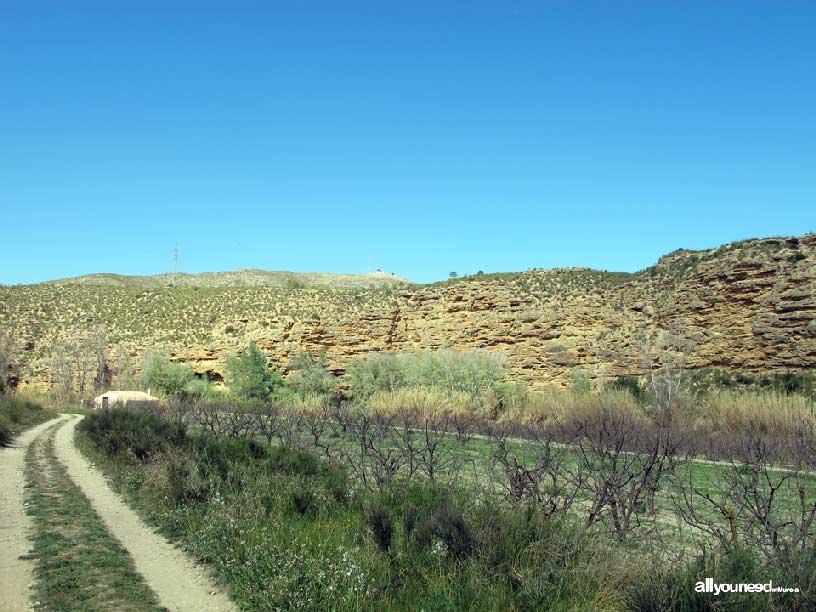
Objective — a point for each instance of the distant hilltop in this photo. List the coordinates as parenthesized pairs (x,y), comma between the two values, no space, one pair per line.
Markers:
(242,278)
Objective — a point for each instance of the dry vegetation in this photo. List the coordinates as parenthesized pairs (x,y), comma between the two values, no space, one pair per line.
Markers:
(748,306)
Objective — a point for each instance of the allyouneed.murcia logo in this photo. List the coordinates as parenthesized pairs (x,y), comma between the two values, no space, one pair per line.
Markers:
(715,588)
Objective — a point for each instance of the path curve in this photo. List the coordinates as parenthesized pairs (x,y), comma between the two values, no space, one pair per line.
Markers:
(179,584)
(15,525)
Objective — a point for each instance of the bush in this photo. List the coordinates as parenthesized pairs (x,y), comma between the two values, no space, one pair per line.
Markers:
(447,525)
(168,378)
(19,414)
(673,588)
(289,461)
(379,522)
(473,372)
(630,384)
(304,502)
(249,376)
(133,433)
(310,376)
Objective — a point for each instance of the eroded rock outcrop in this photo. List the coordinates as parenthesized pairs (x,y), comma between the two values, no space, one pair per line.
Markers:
(747,306)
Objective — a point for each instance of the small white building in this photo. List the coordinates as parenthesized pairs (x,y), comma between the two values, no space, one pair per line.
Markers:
(123,398)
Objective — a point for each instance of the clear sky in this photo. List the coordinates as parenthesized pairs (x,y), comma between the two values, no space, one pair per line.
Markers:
(431,136)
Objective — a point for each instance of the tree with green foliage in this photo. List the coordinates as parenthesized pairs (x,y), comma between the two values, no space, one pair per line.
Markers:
(374,372)
(310,376)
(176,380)
(629,384)
(581,382)
(249,375)
(474,372)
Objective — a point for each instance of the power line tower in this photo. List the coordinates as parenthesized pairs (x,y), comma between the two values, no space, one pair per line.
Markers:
(175,265)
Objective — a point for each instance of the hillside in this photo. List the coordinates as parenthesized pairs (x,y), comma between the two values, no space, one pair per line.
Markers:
(240,278)
(747,306)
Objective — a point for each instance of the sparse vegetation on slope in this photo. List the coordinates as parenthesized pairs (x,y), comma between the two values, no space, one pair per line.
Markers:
(747,307)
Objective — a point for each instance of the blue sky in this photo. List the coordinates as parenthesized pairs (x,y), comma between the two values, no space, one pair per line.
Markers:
(430,136)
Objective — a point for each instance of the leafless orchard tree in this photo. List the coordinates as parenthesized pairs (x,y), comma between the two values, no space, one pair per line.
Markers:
(765,495)
(547,480)
(372,456)
(268,421)
(623,459)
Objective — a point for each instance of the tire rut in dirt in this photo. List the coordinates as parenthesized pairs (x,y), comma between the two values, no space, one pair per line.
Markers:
(79,565)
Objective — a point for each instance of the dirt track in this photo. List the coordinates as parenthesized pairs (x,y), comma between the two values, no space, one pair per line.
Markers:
(15,524)
(178,583)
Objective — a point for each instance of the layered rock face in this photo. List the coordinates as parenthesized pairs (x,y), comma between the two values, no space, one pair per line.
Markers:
(749,306)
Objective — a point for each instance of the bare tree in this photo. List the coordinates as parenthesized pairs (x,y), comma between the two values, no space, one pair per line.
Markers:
(764,495)
(547,479)
(374,457)
(624,458)
(7,349)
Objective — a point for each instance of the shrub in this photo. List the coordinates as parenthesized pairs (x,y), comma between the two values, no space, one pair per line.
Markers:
(164,376)
(289,461)
(447,524)
(183,480)
(473,372)
(630,384)
(18,414)
(379,522)
(304,502)
(430,515)
(310,376)
(125,433)
(249,376)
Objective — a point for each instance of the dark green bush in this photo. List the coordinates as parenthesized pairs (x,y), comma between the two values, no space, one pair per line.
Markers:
(630,384)
(304,502)
(444,523)
(16,415)
(290,461)
(381,524)
(185,482)
(138,433)
(673,587)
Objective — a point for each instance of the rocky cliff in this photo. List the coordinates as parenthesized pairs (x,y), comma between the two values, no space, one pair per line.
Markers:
(748,306)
